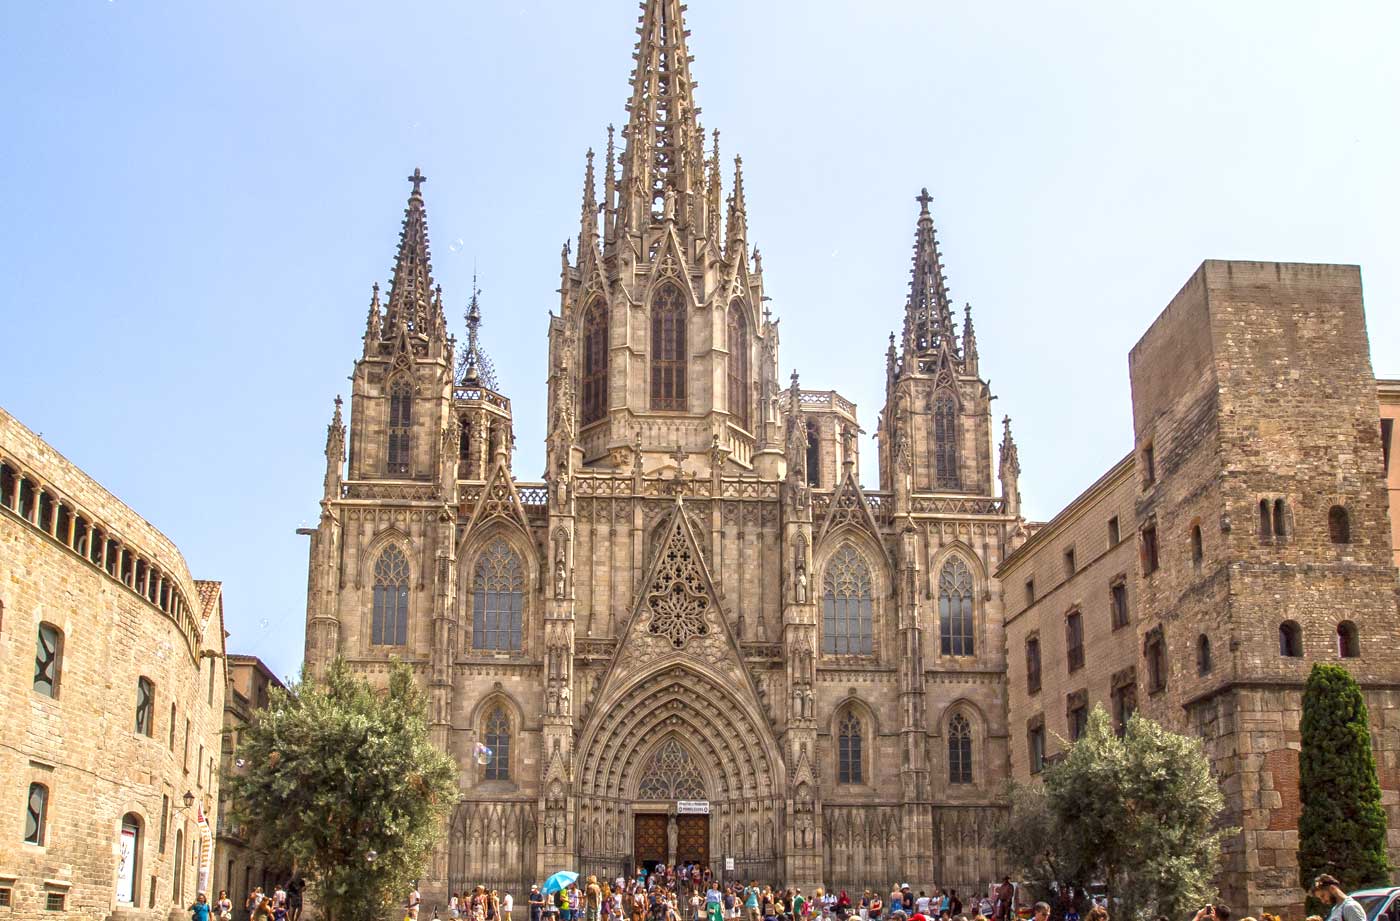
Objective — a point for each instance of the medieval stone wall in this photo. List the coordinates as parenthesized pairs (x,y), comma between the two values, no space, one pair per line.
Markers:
(82,743)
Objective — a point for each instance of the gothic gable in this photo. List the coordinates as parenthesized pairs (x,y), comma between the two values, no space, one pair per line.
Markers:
(849,508)
(499,501)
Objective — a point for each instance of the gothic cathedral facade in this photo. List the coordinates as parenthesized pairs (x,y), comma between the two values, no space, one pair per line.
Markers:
(699,638)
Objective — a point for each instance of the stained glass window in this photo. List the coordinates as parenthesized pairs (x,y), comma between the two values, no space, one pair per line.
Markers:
(849,766)
(594,378)
(668,349)
(847,605)
(390,621)
(955,608)
(959,750)
(671,775)
(498,598)
(498,740)
(738,365)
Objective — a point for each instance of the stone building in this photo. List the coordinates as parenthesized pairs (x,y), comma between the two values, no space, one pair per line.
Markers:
(1247,536)
(240,868)
(112,690)
(698,638)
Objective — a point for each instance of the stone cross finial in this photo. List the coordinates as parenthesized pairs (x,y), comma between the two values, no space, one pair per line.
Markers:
(417,179)
(923,198)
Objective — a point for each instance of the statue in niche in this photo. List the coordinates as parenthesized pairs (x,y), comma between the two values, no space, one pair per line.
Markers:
(561,575)
(672,837)
(800,580)
(552,700)
(668,205)
(565,696)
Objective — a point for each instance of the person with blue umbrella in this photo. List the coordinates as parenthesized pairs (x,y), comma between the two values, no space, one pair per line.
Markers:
(559,881)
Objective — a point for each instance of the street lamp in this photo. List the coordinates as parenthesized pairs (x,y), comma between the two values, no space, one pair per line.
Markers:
(188,798)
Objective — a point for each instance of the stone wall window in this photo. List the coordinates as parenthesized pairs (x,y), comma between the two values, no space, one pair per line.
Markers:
(1070,568)
(1074,640)
(400,425)
(1032,664)
(177,869)
(129,867)
(1348,640)
(955,608)
(959,750)
(1149,464)
(1280,528)
(668,349)
(945,441)
(1197,546)
(36,815)
(850,764)
(593,379)
(1124,697)
(1114,534)
(48,660)
(1290,640)
(1035,744)
(389,622)
(1149,549)
(847,605)
(814,455)
(1118,603)
(1030,591)
(1203,660)
(1338,525)
(1154,650)
(498,739)
(738,365)
(498,599)
(1077,714)
(145,706)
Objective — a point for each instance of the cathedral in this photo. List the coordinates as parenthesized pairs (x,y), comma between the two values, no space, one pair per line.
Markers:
(699,638)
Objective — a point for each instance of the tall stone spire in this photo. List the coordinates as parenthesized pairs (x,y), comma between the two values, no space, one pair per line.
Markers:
(737,223)
(664,151)
(474,368)
(335,454)
(1010,472)
(928,321)
(412,307)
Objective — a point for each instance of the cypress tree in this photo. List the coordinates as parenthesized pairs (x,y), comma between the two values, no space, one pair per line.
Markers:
(1342,827)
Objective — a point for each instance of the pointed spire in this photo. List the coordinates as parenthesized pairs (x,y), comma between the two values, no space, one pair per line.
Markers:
(715,192)
(372,324)
(738,221)
(969,341)
(609,189)
(588,215)
(1010,471)
(410,304)
(335,452)
(928,315)
(662,128)
(475,368)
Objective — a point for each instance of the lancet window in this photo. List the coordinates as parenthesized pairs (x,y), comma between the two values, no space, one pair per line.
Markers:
(955,608)
(739,395)
(945,441)
(847,605)
(400,425)
(497,736)
(668,355)
(850,766)
(593,382)
(498,598)
(389,622)
(959,750)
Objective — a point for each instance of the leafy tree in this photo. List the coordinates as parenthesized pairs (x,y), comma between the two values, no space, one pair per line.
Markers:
(1342,828)
(1033,842)
(343,782)
(1140,814)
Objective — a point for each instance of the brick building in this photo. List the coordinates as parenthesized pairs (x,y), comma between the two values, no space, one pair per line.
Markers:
(112,690)
(1246,537)
(239,867)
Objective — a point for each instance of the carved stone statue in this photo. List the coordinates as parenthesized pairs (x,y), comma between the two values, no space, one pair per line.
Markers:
(672,837)
(561,576)
(668,205)
(800,578)
(565,698)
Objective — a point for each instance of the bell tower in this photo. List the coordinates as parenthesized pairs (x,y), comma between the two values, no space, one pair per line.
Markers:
(661,328)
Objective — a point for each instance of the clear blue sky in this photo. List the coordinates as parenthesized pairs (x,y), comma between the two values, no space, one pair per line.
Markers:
(198,195)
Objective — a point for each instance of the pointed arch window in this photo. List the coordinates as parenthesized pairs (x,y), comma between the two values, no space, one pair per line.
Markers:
(593,382)
(945,441)
(847,605)
(400,424)
(389,626)
(668,353)
(850,766)
(955,608)
(671,775)
(498,598)
(959,750)
(497,736)
(739,392)
(814,455)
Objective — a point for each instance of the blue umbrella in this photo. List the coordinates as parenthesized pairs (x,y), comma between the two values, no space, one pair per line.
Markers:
(558,881)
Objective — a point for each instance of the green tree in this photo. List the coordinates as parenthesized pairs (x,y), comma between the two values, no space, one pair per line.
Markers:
(1342,827)
(342,781)
(1140,814)
(1033,843)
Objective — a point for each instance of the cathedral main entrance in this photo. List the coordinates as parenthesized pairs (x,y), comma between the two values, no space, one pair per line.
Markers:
(659,839)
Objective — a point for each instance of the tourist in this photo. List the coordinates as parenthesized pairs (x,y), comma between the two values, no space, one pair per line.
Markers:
(223,908)
(199,911)
(453,909)
(507,906)
(296,890)
(877,907)
(921,905)
(1006,893)
(955,905)
(1343,907)
(713,903)
(593,899)
(1042,911)
(253,901)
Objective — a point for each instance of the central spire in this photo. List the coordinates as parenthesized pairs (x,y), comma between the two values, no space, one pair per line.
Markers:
(664,153)
(412,303)
(928,320)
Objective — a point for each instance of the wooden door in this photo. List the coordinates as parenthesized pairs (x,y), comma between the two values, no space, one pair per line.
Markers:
(648,839)
(693,839)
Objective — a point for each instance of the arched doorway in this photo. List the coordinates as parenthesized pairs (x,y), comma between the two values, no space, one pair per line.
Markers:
(678,729)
